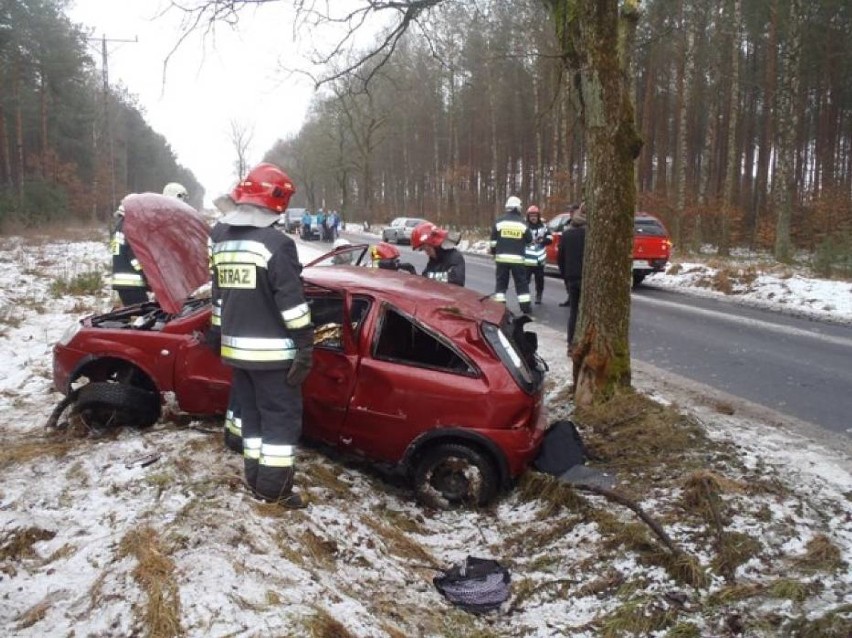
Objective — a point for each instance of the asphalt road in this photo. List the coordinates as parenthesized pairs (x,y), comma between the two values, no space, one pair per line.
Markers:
(796,366)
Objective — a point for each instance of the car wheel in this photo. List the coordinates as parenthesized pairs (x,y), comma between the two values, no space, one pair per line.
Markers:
(105,405)
(452,474)
(638,278)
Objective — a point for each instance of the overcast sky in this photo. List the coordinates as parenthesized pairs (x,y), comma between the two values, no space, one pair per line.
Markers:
(232,75)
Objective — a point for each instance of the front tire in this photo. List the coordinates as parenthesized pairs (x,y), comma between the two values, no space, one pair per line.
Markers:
(104,405)
(638,278)
(455,475)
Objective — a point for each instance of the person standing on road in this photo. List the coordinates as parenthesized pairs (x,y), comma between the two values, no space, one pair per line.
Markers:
(572,248)
(536,252)
(509,239)
(446,263)
(267,334)
(128,280)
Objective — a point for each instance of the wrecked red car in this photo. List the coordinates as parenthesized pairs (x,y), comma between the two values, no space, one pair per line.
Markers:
(434,380)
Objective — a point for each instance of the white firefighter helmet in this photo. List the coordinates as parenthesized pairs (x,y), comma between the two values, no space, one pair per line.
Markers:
(173,189)
(513,203)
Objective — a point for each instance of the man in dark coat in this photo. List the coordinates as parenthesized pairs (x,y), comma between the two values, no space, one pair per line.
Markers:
(572,247)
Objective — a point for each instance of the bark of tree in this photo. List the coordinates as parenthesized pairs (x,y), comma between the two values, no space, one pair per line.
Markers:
(784,184)
(732,171)
(596,44)
(761,185)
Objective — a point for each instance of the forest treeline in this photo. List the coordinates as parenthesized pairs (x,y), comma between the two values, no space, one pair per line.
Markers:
(68,148)
(745,109)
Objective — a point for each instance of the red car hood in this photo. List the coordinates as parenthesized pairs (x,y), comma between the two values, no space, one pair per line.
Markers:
(169,239)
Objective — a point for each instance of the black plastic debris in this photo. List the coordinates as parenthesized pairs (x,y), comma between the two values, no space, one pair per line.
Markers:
(143,460)
(477,585)
(564,455)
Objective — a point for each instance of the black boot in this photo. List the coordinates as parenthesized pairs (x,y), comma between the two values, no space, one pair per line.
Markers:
(565,303)
(526,308)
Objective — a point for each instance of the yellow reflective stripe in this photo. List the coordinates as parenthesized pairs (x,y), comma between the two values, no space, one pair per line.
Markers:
(241,251)
(499,297)
(524,298)
(277,455)
(134,263)
(257,343)
(297,317)
(233,425)
(128,280)
(505,258)
(251,447)
(257,355)
(215,320)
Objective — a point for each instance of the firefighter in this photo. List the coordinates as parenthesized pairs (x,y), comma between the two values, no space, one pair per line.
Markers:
(387,257)
(536,254)
(267,334)
(445,262)
(509,239)
(128,280)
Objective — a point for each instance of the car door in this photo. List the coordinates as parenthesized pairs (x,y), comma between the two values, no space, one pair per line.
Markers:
(328,388)
(409,381)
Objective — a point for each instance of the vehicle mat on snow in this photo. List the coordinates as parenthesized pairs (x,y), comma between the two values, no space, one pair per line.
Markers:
(477,585)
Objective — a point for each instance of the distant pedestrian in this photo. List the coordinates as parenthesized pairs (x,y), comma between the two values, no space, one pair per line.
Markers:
(572,248)
(509,239)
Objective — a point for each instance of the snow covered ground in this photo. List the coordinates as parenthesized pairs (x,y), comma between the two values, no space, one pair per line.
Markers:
(93,543)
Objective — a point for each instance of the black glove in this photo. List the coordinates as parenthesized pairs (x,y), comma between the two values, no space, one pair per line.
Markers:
(301,366)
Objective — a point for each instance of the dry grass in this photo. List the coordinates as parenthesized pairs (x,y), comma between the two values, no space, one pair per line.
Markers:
(323,625)
(155,573)
(821,554)
(639,616)
(30,449)
(34,614)
(18,543)
(399,544)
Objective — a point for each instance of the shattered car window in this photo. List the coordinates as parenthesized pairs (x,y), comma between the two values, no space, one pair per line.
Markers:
(403,341)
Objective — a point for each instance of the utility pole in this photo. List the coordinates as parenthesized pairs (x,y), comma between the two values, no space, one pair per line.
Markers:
(107,125)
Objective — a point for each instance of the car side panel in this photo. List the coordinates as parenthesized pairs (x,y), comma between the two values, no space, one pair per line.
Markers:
(392,403)
(202,381)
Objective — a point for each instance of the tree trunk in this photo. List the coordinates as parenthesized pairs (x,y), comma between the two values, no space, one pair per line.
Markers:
(784,184)
(761,185)
(595,47)
(732,170)
(684,80)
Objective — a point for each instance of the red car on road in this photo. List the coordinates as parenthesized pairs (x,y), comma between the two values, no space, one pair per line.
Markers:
(434,380)
(652,245)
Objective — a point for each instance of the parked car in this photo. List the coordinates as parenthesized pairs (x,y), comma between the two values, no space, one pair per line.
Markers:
(436,381)
(400,230)
(651,245)
(291,219)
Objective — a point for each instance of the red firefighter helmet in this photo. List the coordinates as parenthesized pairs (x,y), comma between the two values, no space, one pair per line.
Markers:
(384,250)
(427,234)
(266,185)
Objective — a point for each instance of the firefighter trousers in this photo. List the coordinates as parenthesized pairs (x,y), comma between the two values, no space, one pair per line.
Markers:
(271,413)
(518,272)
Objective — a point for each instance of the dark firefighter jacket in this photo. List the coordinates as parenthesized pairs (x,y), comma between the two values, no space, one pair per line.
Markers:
(126,269)
(258,295)
(448,266)
(509,238)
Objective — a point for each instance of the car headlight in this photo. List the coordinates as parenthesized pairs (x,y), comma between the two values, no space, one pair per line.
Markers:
(70,332)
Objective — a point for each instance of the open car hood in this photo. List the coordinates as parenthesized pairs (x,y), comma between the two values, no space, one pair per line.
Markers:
(169,239)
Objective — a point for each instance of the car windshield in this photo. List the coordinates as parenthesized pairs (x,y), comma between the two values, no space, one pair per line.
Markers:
(650,227)
(411,223)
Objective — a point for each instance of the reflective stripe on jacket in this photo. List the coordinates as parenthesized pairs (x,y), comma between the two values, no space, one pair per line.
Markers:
(509,238)
(126,269)
(258,297)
